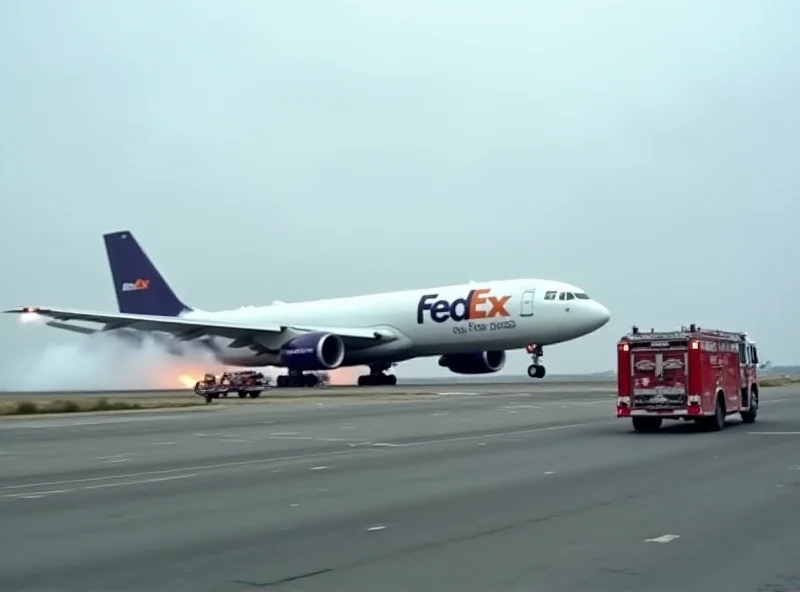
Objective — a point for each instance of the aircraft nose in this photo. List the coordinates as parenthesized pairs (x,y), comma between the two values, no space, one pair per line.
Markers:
(600,314)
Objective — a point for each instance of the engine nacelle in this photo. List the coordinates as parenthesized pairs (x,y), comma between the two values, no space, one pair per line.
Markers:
(313,351)
(478,363)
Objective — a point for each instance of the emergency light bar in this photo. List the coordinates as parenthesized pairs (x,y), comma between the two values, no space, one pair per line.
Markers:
(685,334)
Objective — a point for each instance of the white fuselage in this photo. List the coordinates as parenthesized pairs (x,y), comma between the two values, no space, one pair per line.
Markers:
(502,315)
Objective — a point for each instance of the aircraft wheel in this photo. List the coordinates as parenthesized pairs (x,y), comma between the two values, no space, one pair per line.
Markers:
(536,371)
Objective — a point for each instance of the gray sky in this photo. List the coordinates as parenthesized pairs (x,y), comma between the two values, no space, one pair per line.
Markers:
(644,151)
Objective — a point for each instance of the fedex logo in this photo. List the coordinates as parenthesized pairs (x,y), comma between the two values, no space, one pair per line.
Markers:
(135,286)
(478,304)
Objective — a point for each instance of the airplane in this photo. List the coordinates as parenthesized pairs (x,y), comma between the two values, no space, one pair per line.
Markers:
(469,326)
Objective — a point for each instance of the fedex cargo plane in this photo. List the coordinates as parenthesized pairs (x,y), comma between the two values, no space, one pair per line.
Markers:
(468,326)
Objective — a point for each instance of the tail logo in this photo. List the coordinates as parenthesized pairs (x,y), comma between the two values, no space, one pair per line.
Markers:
(135,286)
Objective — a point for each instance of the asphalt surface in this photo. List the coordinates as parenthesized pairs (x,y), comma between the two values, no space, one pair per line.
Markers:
(411,385)
(510,491)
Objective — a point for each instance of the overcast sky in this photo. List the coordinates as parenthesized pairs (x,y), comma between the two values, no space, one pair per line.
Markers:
(262,150)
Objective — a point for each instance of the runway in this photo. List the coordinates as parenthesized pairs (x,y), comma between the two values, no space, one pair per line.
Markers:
(406,385)
(512,490)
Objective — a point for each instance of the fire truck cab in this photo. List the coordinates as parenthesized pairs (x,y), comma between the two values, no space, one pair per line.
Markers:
(694,374)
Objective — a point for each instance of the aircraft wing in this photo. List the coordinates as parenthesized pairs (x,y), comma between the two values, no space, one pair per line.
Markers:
(268,337)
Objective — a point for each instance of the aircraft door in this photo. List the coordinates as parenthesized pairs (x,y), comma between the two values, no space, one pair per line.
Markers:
(526,307)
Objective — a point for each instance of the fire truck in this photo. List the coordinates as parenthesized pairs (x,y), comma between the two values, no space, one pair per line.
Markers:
(244,383)
(693,374)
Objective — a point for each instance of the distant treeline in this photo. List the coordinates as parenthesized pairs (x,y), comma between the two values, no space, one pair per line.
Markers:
(794,370)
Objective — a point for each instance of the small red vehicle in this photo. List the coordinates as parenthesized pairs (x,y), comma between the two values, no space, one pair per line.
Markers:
(245,383)
(694,374)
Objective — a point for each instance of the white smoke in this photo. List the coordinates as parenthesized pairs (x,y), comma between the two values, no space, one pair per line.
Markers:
(105,362)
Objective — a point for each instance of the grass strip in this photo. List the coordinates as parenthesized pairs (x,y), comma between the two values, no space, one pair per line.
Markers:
(85,405)
(771,381)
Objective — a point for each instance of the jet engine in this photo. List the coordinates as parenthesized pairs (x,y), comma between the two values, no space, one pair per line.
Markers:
(477,363)
(313,351)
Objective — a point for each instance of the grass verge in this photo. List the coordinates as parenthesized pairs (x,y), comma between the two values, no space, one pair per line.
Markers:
(779,381)
(88,405)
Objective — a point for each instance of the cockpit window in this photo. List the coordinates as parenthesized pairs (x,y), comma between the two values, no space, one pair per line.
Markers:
(562,296)
(570,296)
(581,296)
(550,295)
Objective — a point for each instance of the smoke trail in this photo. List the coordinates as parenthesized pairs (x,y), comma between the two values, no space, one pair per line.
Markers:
(105,362)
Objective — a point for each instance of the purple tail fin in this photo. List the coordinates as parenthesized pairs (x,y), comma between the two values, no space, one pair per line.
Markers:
(139,287)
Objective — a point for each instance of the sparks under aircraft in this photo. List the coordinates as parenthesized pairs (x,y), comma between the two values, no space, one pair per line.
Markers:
(469,326)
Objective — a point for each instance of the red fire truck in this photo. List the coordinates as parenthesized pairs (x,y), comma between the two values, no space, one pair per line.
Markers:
(694,374)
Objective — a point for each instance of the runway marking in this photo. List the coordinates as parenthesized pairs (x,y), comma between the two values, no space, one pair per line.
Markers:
(774,433)
(549,472)
(41,494)
(459,394)
(664,538)
(163,443)
(284,434)
(72,422)
(140,482)
(114,458)
(37,494)
(321,468)
(262,461)
(312,438)
(376,527)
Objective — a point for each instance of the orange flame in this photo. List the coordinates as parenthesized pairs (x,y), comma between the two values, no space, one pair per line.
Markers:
(186,380)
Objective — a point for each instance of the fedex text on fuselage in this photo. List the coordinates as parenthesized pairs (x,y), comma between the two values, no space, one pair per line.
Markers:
(479,304)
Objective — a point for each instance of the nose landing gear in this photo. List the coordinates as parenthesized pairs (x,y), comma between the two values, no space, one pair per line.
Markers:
(535,370)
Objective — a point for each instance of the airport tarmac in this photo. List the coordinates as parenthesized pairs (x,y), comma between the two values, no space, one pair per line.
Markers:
(406,385)
(537,489)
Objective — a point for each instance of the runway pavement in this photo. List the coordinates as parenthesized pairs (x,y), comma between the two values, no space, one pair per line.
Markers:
(530,490)
(417,385)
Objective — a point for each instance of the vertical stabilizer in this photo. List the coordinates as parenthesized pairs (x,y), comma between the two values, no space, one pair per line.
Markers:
(139,287)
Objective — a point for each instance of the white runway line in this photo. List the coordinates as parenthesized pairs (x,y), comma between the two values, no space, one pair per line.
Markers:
(664,538)
(288,458)
(40,494)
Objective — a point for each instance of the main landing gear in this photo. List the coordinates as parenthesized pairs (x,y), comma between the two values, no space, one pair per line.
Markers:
(535,370)
(295,379)
(377,376)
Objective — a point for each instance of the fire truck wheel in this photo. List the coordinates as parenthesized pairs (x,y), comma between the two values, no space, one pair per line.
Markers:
(646,424)
(717,422)
(242,394)
(255,395)
(750,415)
